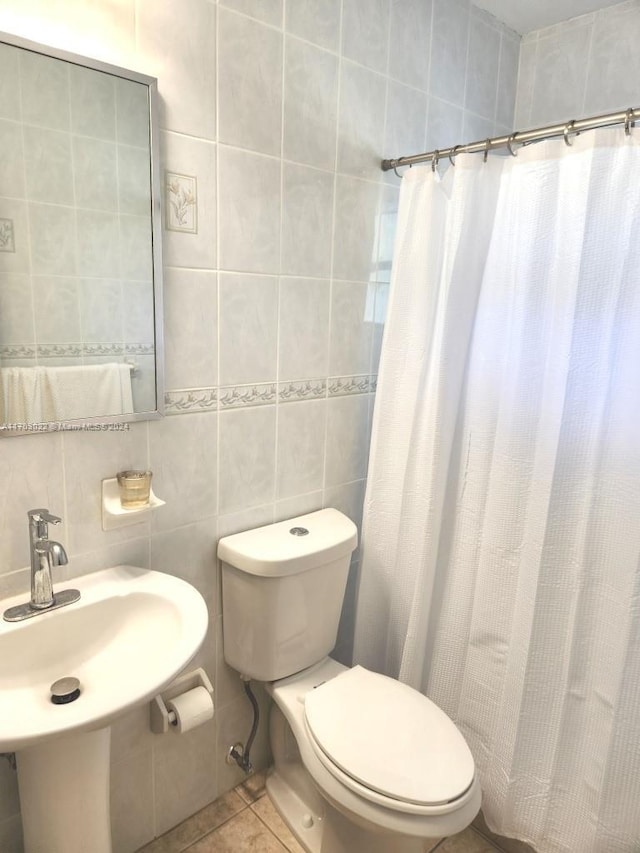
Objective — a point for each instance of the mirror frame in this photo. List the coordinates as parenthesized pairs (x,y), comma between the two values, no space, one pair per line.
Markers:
(95,423)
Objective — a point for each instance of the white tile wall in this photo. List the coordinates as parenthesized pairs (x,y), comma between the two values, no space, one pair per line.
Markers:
(282,110)
(582,67)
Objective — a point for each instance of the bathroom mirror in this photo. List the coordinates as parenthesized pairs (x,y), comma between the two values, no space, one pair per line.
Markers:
(80,253)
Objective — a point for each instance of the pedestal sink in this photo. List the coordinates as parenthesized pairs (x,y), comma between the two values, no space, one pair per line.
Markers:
(128,636)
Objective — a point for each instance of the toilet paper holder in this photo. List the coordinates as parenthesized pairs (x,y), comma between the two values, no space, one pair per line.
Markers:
(160,716)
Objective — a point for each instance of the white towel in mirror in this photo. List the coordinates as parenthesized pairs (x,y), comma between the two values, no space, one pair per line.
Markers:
(42,394)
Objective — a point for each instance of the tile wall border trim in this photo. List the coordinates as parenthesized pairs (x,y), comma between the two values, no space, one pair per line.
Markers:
(182,401)
(75,349)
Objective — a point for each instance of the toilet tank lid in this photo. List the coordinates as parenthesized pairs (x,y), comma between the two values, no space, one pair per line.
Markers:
(285,549)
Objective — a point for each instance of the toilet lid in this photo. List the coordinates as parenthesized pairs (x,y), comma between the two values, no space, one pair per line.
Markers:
(389,738)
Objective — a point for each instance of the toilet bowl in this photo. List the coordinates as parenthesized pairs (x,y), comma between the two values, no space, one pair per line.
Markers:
(362,763)
(365,766)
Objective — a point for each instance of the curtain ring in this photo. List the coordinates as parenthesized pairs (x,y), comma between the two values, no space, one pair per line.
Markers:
(453,154)
(397,173)
(629,122)
(510,142)
(487,146)
(435,160)
(567,130)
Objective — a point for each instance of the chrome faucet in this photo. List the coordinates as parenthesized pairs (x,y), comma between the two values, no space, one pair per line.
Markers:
(45,553)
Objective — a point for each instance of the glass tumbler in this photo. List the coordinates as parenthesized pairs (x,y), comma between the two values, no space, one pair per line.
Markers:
(135,487)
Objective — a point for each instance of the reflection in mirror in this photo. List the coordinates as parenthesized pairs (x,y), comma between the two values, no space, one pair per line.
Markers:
(79,240)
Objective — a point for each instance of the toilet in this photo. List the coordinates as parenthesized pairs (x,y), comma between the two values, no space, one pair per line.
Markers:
(362,763)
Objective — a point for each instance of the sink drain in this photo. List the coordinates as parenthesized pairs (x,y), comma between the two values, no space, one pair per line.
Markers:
(65,690)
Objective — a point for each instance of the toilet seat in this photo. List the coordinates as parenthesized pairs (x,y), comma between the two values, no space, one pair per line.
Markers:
(387,742)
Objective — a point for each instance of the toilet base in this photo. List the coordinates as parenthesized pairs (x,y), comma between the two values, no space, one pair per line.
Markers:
(319,828)
(317,825)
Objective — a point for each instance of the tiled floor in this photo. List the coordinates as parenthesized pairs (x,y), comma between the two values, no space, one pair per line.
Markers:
(245,821)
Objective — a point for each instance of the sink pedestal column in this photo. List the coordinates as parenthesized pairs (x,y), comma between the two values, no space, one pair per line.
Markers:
(64,794)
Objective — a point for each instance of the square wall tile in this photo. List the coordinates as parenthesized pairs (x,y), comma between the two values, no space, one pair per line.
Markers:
(12,163)
(100,303)
(352,322)
(182,455)
(614,65)
(57,309)
(365,33)
(526,80)
(310,104)
(248,328)
(10,82)
(191,328)
(249,186)
(301,443)
(410,42)
(47,163)
(132,113)
(31,475)
(95,174)
(138,312)
(406,121)
(247,458)
(482,67)
(54,245)
(249,84)
(189,553)
(304,328)
(134,185)
(560,57)
(507,81)
(354,229)
(99,250)
(268,11)
(361,121)
(44,84)
(17,321)
(307,221)
(449,50)
(175,38)
(132,817)
(347,439)
(184,763)
(317,21)
(93,103)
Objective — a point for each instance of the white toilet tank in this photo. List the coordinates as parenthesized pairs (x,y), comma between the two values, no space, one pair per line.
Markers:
(282,592)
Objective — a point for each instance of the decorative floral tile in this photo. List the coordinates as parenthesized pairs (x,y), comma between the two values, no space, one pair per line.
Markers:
(72,350)
(341,386)
(105,348)
(181,203)
(139,348)
(238,396)
(187,400)
(306,389)
(7,240)
(17,351)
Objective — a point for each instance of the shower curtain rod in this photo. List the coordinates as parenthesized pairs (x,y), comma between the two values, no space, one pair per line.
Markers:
(520,137)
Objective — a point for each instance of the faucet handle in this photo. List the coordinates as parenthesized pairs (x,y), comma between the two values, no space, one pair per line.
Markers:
(43,515)
(39,519)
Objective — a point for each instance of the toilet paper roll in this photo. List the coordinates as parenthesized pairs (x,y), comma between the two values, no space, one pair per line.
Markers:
(191,709)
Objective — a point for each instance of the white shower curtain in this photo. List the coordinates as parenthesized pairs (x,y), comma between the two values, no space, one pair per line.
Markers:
(501,537)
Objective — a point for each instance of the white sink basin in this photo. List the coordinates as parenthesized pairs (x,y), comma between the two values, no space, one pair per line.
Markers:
(127,637)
